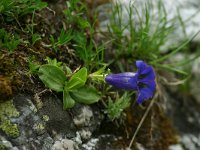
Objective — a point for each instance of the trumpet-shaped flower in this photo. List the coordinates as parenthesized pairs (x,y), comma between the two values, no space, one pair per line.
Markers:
(143,81)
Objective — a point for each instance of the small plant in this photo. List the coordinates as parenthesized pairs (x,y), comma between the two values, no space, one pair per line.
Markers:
(35,38)
(144,39)
(8,41)
(64,38)
(30,29)
(75,14)
(54,62)
(15,9)
(114,109)
(73,87)
(83,34)
(33,68)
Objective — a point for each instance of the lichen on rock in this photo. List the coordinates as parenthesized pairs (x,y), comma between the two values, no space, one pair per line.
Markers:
(2,147)
(7,111)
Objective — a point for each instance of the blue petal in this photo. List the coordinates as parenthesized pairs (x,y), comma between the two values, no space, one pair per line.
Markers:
(126,80)
(145,72)
(147,92)
(144,95)
(149,76)
(143,68)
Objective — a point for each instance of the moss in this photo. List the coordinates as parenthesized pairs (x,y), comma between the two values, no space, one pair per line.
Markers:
(7,111)
(156,132)
(6,89)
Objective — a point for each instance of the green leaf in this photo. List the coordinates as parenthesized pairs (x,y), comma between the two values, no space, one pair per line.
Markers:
(115,108)
(68,101)
(33,67)
(35,37)
(54,62)
(52,76)
(83,23)
(175,51)
(64,37)
(86,95)
(77,80)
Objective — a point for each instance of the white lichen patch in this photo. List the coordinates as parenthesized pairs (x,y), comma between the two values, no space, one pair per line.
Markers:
(85,134)
(65,144)
(90,145)
(84,118)
(77,139)
(45,118)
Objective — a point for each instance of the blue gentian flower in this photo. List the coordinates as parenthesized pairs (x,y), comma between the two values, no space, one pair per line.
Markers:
(143,81)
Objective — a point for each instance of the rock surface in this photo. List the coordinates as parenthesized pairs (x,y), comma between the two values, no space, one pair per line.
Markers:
(51,127)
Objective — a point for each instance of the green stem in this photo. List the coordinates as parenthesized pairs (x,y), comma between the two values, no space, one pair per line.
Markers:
(99,77)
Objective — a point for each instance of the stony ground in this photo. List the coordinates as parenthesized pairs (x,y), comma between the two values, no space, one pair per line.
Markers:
(32,117)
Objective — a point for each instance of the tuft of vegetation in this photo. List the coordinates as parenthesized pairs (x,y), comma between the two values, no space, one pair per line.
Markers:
(18,8)
(73,87)
(114,109)
(8,41)
(90,52)
(63,38)
(144,38)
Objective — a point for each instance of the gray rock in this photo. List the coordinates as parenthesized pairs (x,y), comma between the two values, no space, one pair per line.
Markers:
(184,111)
(35,132)
(176,147)
(57,145)
(59,120)
(191,142)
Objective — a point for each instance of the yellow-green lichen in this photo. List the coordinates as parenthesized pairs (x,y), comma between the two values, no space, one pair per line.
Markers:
(7,111)
(2,147)
(9,128)
(39,128)
(45,118)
